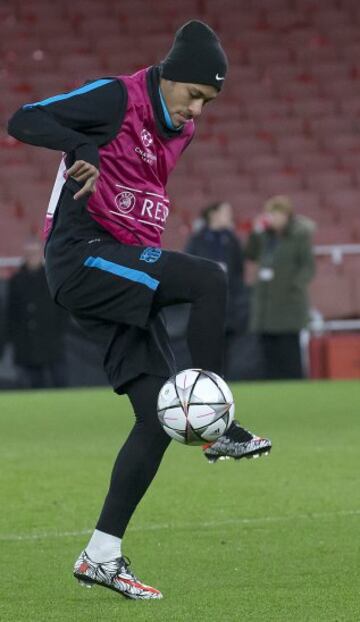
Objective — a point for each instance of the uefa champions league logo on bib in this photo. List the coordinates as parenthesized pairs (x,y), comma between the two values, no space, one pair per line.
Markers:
(146,138)
(125,202)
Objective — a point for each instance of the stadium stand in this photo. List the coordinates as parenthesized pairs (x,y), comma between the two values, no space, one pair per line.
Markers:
(288,120)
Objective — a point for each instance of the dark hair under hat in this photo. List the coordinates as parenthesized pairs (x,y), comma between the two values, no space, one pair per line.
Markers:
(196,56)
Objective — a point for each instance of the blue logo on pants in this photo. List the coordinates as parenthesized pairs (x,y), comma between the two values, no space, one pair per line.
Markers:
(151,254)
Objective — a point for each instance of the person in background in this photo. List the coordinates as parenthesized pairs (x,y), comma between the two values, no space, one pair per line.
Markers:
(280,244)
(216,240)
(35,325)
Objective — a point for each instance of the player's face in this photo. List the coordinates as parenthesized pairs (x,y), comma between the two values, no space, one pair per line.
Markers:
(185,101)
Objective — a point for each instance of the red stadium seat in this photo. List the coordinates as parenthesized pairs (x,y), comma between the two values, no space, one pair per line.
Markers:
(45,85)
(326,18)
(223,185)
(344,203)
(228,128)
(176,233)
(331,124)
(82,9)
(340,33)
(300,38)
(322,297)
(326,181)
(188,204)
(245,147)
(350,51)
(179,186)
(292,125)
(213,166)
(279,183)
(355,224)
(81,65)
(295,144)
(268,109)
(264,4)
(314,107)
(307,203)
(222,112)
(249,202)
(313,162)
(350,265)
(17,174)
(106,25)
(34,197)
(229,25)
(263,56)
(40,10)
(315,52)
(333,233)
(330,71)
(342,143)
(260,164)
(202,148)
(347,88)
(297,90)
(255,92)
(281,72)
(243,74)
(284,18)
(349,161)
(255,38)
(349,105)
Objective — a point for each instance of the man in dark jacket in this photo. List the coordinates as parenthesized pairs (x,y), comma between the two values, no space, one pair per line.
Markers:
(35,324)
(281,246)
(217,240)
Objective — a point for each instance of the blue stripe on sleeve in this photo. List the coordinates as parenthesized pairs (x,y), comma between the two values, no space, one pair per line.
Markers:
(127,273)
(62,96)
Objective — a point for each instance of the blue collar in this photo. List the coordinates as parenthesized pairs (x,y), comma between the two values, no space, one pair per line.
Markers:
(168,121)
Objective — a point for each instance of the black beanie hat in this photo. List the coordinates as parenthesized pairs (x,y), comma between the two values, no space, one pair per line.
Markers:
(196,56)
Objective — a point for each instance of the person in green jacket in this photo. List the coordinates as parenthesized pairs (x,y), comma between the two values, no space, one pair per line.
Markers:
(281,245)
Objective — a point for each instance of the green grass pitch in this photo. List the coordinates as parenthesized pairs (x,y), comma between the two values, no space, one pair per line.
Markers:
(272,539)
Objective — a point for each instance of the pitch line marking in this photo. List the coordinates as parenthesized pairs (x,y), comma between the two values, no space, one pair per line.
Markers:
(163,526)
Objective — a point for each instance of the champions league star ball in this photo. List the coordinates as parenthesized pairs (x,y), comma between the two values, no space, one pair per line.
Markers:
(195,407)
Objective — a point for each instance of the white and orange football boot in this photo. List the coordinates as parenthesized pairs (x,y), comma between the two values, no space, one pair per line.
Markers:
(115,575)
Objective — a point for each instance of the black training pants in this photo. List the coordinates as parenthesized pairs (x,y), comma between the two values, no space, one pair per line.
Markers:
(184,279)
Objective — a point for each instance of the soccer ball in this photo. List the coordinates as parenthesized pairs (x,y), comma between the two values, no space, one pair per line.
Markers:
(195,406)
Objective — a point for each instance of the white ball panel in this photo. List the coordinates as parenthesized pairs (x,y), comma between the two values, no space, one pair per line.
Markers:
(214,430)
(225,389)
(200,415)
(167,396)
(174,418)
(177,436)
(206,391)
(185,379)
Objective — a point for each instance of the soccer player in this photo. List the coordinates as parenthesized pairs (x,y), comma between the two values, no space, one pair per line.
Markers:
(120,139)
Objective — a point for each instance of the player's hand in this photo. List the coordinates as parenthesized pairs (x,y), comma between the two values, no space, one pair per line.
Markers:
(82,172)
